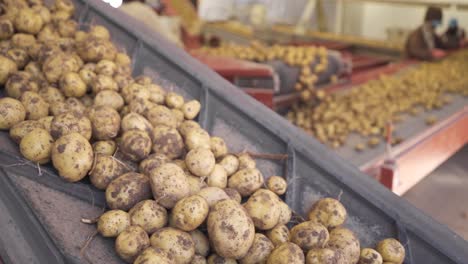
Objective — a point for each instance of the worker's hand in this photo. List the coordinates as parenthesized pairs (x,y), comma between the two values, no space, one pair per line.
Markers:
(438,53)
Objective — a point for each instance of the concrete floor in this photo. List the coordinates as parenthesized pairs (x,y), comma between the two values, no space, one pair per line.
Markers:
(444,193)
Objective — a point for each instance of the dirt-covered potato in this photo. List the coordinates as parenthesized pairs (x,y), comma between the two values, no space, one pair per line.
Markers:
(213,195)
(72,85)
(285,213)
(230,164)
(161,115)
(8,67)
(6,29)
(309,235)
(67,28)
(75,105)
(11,112)
(35,106)
(262,206)
(70,122)
(178,115)
(188,125)
(152,162)
(64,5)
(219,149)
(230,229)
(131,242)
(57,65)
(122,80)
(195,183)
(19,56)
(345,241)
(109,98)
(246,181)
(197,138)
(28,21)
(143,80)
(189,213)
(233,194)
(72,156)
(277,185)
(278,234)
(127,190)
(197,259)
(259,251)
(122,59)
(106,67)
(112,223)
(18,131)
(46,122)
(177,243)
(100,32)
(59,16)
(135,91)
(167,141)
(370,256)
(135,144)
(216,259)
(246,161)
(169,184)
(87,76)
(105,169)
(43,12)
(157,94)
(149,215)
(217,177)
(140,106)
(153,255)
(103,82)
(34,69)
(48,33)
(133,121)
(94,49)
(52,95)
(328,212)
(191,109)
(286,253)
(105,122)
(391,250)
(36,146)
(200,161)
(20,82)
(23,41)
(174,100)
(202,244)
(87,100)
(323,256)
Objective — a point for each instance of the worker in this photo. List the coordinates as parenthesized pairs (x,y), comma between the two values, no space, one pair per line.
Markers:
(424,43)
(454,36)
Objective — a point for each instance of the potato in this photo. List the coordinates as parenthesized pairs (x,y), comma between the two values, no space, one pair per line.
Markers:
(177,243)
(217,177)
(143,80)
(188,125)
(233,194)
(46,122)
(127,190)
(67,28)
(344,241)
(157,94)
(131,242)
(197,259)
(200,161)
(74,105)
(278,234)
(328,212)
(57,65)
(153,255)
(105,122)
(195,183)
(135,91)
(178,115)
(277,185)
(19,56)
(87,76)
(35,106)
(59,16)
(109,98)
(202,244)
(52,95)
(370,256)
(149,215)
(197,138)
(43,12)
(6,29)
(72,85)
(36,146)
(391,250)
(20,82)
(135,144)
(47,33)
(103,82)
(169,184)
(230,164)
(94,49)
(167,141)
(11,113)
(230,229)
(122,59)
(262,206)
(286,253)
(72,156)
(285,213)
(23,41)
(323,256)
(122,80)
(191,109)
(152,162)
(189,213)
(174,100)
(18,131)
(69,122)
(246,181)
(246,162)
(161,115)
(140,106)
(106,67)
(64,5)
(87,100)
(135,121)
(216,259)
(308,235)
(35,70)
(8,67)
(112,223)
(219,149)
(259,251)
(100,32)
(213,195)
(105,169)
(28,21)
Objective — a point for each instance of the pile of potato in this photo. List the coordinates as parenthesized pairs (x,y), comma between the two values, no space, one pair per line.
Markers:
(367,109)
(175,194)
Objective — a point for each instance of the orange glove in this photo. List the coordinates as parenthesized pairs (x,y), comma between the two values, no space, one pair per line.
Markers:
(438,53)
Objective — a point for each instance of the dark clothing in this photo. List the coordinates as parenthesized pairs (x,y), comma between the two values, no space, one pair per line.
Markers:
(422,41)
(452,37)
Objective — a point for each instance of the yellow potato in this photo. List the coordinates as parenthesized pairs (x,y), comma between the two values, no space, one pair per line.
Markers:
(186,126)
(370,256)
(246,162)
(36,146)
(200,161)
(189,213)
(67,28)
(277,185)
(174,100)
(259,251)
(195,183)
(197,138)
(102,83)
(135,144)
(135,121)
(52,95)
(169,184)
(217,177)
(219,149)
(8,67)
(35,106)
(202,244)
(149,215)
(278,234)
(157,94)
(308,235)
(99,31)
(58,64)
(233,194)
(122,59)
(230,164)
(12,112)
(112,223)
(167,141)
(104,147)
(72,85)
(197,259)
(176,243)
(346,242)
(161,115)
(74,105)
(191,109)
(109,98)
(262,206)
(135,91)
(6,29)
(285,213)
(213,195)
(152,162)
(105,122)
(153,255)
(18,131)
(18,83)
(94,49)
(323,256)
(46,122)
(69,122)
(106,67)
(286,253)
(105,169)
(19,56)
(127,190)
(391,250)
(216,259)
(28,21)
(246,181)
(328,212)
(131,242)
